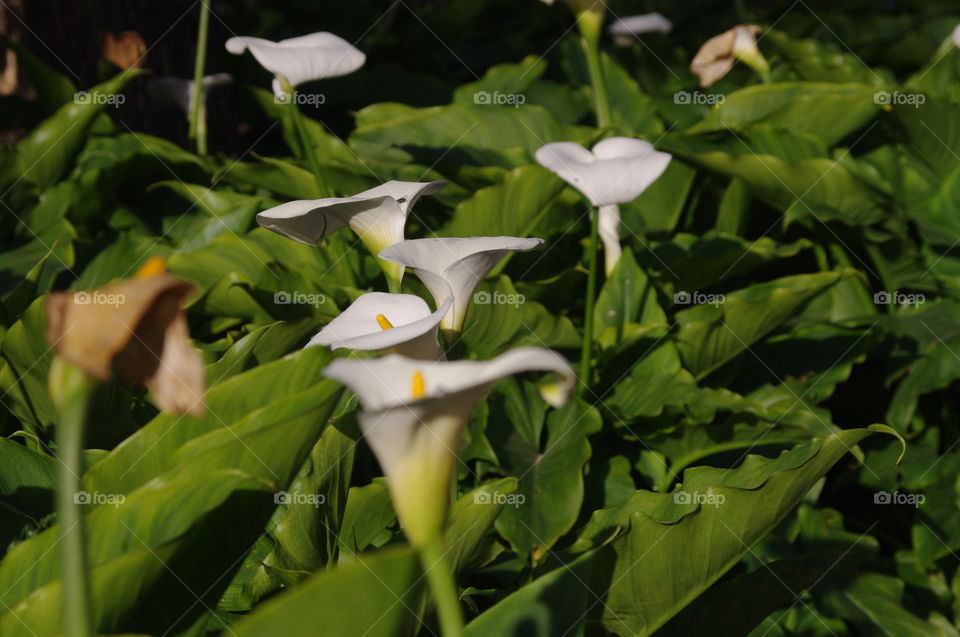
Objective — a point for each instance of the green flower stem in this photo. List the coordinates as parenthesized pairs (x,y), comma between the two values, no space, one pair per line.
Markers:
(586,347)
(305,142)
(440,577)
(198,112)
(590,24)
(71,390)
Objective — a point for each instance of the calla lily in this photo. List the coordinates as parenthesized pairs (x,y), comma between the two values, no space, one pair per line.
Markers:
(136,330)
(378,216)
(414,414)
(718,54)
(454,265)
(617,171)
(180,91)
(624,30)
(302,59)
(401,323)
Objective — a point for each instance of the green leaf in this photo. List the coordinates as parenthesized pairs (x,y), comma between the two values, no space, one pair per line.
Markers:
(711,335)
(471,517)
(48,152)
(675,545)
(385,586)
(547,456)
(522,205)
(827,110)
(627,296)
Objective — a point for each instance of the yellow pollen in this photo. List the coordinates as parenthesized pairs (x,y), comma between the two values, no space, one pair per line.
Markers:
(417,386)
(383,322)
(153,266)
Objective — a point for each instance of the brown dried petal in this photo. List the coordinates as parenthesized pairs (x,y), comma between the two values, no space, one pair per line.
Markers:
(134,329)
(126,49)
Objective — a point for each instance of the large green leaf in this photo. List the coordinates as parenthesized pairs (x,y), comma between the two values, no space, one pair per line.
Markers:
(675,545)
(711,335)
(827,110)
(381,589)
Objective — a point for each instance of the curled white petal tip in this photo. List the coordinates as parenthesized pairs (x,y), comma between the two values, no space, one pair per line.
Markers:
(455,265)
(379,321)
(956,35)
(617,171)
(636,25)
(717,55)
(303,59)
(377,215)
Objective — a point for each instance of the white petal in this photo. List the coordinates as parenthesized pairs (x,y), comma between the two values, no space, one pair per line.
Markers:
(302,59)
(617,171)
(640,24)
(956,35)
(385,383)
(459,263)
(414,328)
(180,91)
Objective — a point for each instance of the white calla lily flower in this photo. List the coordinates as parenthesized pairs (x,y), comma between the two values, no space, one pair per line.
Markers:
(180,91)
(378,216)
(624,30)
(617,171)
(302,59)
(718,54)
(414,414)
(377,321)
(457,265)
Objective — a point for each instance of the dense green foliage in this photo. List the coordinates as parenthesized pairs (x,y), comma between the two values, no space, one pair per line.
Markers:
(725,472)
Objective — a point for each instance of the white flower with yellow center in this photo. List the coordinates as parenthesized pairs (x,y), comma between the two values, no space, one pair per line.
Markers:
(454,265)
(398,323)
(378,216)
(617,171)
(414,413)
(302,59)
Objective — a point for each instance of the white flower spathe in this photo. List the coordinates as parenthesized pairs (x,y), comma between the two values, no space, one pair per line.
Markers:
(617,171)
(302,59)
(625,29)
(377,321)
(180,91)
(378,216)
(414,413)
(457,265)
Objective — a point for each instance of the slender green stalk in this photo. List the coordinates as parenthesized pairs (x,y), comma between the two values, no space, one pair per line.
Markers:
(198,112)
(590,25)
(443,586)
(587,345)
(71,390)
(305,142)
